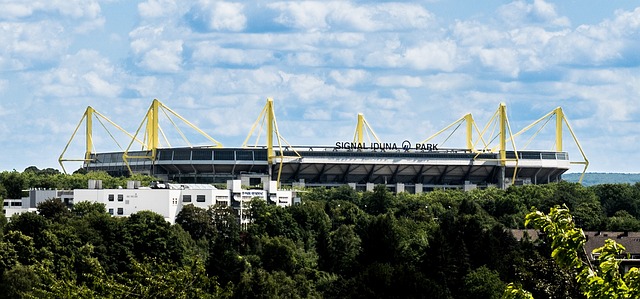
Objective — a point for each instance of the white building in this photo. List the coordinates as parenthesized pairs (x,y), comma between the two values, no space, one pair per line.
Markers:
(164,199)
(168,199)
(36,196)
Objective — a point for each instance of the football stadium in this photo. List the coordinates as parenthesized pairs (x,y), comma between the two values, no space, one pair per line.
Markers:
(489,159)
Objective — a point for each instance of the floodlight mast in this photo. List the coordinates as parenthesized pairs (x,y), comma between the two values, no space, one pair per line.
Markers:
(153,132)
(87,117)
(561,121)
(268,115)
(362,128)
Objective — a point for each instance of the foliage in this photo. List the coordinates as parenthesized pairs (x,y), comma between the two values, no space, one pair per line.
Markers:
(600,281)
(338,243)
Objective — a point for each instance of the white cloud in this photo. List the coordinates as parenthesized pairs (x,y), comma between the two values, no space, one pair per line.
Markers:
(503,60)
(345,16)
(349,78)
(441,55)
(317,114)
(154,52)
(228,16)
(210,53)
(150,87)
(85,73)
(25,44)
(67,8)
(540,12)
(157,8)
(166,58)
(399,81)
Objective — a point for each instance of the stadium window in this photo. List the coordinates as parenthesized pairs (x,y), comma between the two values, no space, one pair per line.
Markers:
(120,211)
(186,198)
(111,197)
(200,198)
(120,197)
(111,211)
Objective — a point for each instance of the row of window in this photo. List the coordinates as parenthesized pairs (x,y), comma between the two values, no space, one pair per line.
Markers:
(112,196)
(199,198)
(120,211)
(185,198)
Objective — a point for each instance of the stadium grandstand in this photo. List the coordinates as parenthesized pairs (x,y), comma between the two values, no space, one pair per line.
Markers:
(489,158)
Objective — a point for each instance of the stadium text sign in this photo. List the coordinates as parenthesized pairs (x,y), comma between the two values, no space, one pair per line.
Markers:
(405,145)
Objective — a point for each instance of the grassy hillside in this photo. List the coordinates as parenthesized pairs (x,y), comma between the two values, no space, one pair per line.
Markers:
(595,178)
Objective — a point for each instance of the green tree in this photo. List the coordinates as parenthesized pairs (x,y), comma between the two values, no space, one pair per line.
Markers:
(13,183)
(343,248)
(85,208)
(53,209)
(196,221)
(604,280)
(379,201)
(483,283)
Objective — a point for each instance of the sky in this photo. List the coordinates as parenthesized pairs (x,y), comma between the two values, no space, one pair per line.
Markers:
(411,67)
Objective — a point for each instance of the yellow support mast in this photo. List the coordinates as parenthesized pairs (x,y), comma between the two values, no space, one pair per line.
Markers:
(503,134)
(153,132)
(268,115)
(561,121)
(270,122)
(89,133)
(470,126)
(359,136)
(87,117)
(362,128)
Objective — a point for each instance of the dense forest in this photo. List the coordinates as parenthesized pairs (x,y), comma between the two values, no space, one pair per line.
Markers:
(338,243)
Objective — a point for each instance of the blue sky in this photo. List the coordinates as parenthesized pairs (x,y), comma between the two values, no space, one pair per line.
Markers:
(412,67)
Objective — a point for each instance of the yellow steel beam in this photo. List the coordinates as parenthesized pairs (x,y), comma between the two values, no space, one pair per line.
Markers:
(469,121)
(559,118)
(89,133)
(359,138)
(503,133)
(87,117)
(270,121)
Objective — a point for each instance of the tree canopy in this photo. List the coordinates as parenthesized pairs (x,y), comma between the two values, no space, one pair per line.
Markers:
(338,243)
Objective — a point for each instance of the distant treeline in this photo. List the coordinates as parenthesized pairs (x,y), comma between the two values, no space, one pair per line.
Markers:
(597,178)
(339,243)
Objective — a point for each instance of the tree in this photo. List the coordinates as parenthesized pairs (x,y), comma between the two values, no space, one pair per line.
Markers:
(600,281)
(196,221)
(13,183)
(379,201)
(343,249)
(84,208)
(483,283)
(53,209)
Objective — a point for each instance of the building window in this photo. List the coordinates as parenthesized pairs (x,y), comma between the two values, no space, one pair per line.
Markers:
(186,198)
(174,201)
(120,211)
(16,203)
(6,204)
(111,197)
(120,197)
(111,211)
(200,198)
(221,203)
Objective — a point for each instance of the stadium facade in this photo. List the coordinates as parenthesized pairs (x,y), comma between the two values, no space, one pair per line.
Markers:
(401,165)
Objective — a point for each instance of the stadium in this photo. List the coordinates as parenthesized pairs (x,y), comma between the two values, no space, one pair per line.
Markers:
(489,159)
